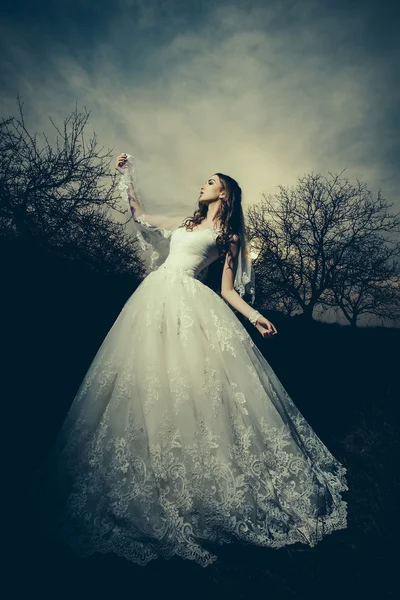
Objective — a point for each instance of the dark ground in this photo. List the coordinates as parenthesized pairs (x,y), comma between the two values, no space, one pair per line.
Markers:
(346,384)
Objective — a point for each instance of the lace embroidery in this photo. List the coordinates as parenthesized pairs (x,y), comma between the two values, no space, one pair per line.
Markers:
(150,386)
(262,491)
(159,317)
(142,220)
(181,431)
(240,397)
(228,332)
(213,386)
(179,385)
(185,320)
(174,273)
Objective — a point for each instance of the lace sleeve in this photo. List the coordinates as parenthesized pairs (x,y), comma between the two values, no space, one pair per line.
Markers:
(160,221)
(151,231)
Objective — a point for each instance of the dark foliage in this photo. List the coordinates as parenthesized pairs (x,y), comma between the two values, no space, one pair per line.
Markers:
(55,315)
(328,243)
(66,274)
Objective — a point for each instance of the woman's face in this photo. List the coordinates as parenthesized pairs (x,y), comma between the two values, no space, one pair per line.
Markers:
(211,190)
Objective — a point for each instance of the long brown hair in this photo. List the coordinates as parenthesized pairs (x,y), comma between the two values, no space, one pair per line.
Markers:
(230,215)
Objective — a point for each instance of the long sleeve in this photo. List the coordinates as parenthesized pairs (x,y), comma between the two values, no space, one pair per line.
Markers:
(152,231)
(160,222)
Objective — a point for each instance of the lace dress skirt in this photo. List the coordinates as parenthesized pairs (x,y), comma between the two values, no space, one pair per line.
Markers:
(182,433)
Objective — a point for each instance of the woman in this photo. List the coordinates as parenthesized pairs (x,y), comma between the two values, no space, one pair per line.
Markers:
(180,432)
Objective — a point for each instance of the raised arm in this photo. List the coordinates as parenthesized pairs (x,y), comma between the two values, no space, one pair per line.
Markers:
(121,165)
(137,209)
(160,221)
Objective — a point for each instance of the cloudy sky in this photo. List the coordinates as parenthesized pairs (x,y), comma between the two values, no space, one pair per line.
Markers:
(262,90)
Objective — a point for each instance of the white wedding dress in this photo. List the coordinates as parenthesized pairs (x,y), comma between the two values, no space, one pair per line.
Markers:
(181,433)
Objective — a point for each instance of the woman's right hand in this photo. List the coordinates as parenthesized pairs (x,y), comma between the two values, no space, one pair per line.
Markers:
(121,163)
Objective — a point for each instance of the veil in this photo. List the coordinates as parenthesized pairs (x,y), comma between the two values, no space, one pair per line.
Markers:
(245,275)
(154,241)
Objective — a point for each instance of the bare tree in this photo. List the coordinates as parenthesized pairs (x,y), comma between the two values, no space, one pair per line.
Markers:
(368,283)
(61,194)
(305,236)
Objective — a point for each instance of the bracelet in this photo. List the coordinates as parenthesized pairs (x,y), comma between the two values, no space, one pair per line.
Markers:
(253,318)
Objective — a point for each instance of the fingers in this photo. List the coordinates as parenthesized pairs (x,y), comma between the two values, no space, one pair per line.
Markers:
(268,330)
(121,160)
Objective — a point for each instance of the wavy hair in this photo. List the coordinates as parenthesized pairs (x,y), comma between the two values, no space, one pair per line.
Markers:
(230,214)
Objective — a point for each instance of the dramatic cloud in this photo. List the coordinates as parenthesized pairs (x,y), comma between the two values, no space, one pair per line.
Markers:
(262,91)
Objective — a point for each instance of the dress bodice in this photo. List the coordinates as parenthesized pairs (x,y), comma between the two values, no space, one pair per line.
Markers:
(192,251)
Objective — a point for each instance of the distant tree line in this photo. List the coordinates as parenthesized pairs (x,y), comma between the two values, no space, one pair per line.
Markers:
(327,243)
(324,242)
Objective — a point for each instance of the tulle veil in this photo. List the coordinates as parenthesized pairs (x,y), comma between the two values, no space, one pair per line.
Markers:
(154,242)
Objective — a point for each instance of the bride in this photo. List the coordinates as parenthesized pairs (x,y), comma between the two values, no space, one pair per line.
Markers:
(180,433)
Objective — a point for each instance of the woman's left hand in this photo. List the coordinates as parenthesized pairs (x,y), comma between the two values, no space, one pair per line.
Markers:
(265,327)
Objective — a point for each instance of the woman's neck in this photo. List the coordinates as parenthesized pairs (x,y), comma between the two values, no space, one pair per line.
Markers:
(211,212)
